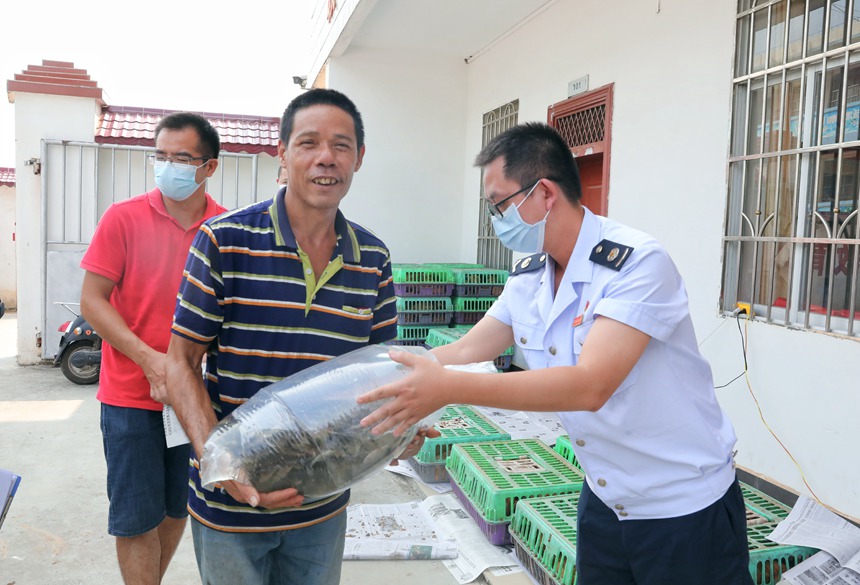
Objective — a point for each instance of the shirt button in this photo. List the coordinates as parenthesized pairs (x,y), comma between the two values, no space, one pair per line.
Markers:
(552,351)
(601,482)
(619,507)
(580,443)
(308,271)
(622,513)
(523,340)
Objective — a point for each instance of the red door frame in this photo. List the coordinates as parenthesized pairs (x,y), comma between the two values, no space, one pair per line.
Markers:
(586,101)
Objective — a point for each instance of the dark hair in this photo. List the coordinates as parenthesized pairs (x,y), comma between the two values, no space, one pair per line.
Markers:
(210,144)
(326,97)
(534,151)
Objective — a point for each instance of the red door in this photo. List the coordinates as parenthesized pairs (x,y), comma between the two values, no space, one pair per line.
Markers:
(591,177)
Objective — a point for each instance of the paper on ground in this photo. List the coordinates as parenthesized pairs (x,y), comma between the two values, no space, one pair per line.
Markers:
(545,426)
(820,569)
(173,431)
(810,524)
(405,468)
(476,553)
(393,532)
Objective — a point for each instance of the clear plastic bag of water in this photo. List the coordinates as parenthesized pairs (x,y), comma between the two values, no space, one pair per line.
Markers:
(303,432)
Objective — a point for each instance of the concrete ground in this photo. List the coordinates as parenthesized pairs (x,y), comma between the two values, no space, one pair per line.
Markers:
(56,530)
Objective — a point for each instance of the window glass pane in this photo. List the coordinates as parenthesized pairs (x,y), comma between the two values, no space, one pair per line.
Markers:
(754,130)
(759,53)
(739,117)
(852,101)
(772,113)
(783,207)
(841,207)
(832,98)
(791,117)
(777,34)
(816,262)
(855,23)
(795,29)
(746,270)
(743,5)
(742,46)
(783,226)
(734,224)
(823,197)
(815,35)
(838,17)
(751,198)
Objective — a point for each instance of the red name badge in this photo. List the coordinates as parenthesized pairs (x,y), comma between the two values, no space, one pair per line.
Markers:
(578,321)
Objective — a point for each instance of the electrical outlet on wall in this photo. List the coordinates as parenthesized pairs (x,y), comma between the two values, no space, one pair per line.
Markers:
(745,308)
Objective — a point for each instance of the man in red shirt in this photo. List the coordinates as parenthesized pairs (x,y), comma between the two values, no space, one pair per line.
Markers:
(133,269)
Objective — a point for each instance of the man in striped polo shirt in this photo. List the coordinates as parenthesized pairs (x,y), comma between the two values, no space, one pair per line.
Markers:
(269,290)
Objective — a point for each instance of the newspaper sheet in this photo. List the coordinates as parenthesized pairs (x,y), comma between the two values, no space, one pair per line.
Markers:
(820,569)
(545,426)
(405,469)
(810,524)
(476,553)
(393,532)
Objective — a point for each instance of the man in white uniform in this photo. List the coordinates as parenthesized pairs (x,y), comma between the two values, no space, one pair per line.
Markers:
(600,314)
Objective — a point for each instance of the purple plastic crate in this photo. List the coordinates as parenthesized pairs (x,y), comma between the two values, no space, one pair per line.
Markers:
(413,342)
(496,532)
(503,362)
(478,290)
(422,289)
(440,318)
(430,472)
(468,317)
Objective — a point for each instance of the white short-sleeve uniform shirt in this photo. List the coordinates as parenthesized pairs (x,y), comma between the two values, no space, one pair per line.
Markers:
(661,446)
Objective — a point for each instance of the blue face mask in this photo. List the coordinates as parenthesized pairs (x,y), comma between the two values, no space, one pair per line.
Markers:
(176,181)
(516,234)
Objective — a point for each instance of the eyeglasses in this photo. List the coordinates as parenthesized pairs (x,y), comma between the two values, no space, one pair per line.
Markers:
(495,210)
(176,160)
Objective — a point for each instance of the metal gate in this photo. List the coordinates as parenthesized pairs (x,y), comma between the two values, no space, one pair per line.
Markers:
(79,181)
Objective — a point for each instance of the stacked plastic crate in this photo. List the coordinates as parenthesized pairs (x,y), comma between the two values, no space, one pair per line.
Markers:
(543,531)
(492,479)
(423,301)
(459,424)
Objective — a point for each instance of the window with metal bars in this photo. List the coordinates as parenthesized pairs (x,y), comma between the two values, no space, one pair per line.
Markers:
(491,252)
(583,127)
(791,238)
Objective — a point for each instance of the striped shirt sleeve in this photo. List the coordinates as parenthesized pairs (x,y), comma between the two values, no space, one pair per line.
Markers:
(200,302)
(385,312)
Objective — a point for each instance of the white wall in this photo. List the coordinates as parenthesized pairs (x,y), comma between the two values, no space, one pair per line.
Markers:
(8,291)
(672,75)
(409,188)
(670,62)
(39,116)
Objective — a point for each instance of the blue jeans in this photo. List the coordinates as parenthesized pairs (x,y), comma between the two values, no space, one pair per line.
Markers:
(303,556)
(146,481)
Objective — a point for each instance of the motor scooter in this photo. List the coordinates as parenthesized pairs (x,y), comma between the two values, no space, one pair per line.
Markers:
(80,352)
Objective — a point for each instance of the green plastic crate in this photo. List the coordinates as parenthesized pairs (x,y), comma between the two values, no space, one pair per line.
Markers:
(769,560)
(544,536)
(443,336)
(417,332)
(424,310)
(470,310)
(762,508)
(459,424)
(495,476)
(479,282)
(564,447)
(422,281)
(422,274)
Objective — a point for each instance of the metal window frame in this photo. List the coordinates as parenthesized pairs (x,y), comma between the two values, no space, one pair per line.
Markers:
(807,174)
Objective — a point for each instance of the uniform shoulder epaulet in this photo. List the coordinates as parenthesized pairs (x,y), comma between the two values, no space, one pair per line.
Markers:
(529,263)
(610,254)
